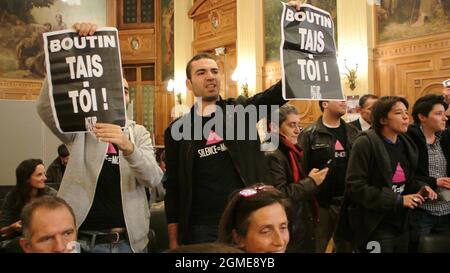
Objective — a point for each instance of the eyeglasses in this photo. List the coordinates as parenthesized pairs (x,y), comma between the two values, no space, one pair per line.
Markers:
(248,192)
(294,125)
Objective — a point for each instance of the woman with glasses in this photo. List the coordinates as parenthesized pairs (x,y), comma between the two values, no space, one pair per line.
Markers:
(381,189)
(255,220)
(288,175)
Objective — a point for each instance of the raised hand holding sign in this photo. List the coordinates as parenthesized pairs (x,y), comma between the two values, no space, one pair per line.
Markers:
(85,78)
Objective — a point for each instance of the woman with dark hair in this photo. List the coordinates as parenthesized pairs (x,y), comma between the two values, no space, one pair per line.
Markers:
(381,189)
(255,220)
(288,175)
(433,142)
(30,184)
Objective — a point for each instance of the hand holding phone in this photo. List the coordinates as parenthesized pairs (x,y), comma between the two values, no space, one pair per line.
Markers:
(427,193)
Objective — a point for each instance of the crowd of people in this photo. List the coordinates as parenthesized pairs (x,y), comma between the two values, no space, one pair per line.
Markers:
(379,179)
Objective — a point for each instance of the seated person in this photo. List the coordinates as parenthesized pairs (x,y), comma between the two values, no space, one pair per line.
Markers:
(158,192)
(255,220)
(55,171)
(30,184)
(48,225)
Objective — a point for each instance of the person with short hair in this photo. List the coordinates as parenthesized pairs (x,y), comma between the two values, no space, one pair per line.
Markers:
(255,220)
(288,175)
(105,179)
(381,187)
(49,226)
(327,143)
(364,122)
(199,181)
(55,171)
(203,169)
(433,143)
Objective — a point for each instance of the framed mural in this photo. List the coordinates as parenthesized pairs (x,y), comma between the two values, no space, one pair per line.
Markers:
(22,23)
(272,18)
(405,19)
(167,39)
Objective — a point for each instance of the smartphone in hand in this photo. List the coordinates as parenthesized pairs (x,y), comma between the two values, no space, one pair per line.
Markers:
(328,163)
(424,193)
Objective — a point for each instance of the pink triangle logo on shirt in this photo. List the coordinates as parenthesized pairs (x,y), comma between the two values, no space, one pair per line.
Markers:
(338,146)
(111,149)
(213,138)
(399,175)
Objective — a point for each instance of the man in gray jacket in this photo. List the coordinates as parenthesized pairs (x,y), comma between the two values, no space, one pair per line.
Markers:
(106,177)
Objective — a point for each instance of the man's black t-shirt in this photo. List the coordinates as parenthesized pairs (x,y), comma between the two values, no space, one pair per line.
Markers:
(106,211)
(334,184)
(214,178)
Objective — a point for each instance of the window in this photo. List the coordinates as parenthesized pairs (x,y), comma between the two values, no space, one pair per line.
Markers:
(141,80)
(136,14)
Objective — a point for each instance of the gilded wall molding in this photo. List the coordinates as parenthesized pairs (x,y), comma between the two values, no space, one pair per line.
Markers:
(417,46)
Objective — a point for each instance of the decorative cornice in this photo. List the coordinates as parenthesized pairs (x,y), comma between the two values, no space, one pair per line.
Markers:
(415,47)
(10,84)
(205,6)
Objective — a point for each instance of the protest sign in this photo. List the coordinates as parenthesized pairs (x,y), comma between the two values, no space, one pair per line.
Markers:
(85,79)
(308,55)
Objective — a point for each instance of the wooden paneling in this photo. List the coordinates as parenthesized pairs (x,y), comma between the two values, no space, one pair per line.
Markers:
(227,64)
(20,89)
(214,24)
(164,102)
(214,27)
(138,46)
(148,52)
(412,68)
(138,24)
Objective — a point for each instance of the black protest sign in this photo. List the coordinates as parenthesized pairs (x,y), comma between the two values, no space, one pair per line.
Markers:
(85,79)
(308,55)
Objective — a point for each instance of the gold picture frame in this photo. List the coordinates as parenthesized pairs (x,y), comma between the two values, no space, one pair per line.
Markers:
(22,61)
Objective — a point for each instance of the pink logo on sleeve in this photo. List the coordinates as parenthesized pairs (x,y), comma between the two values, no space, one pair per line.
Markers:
(399,175)
(213,138)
